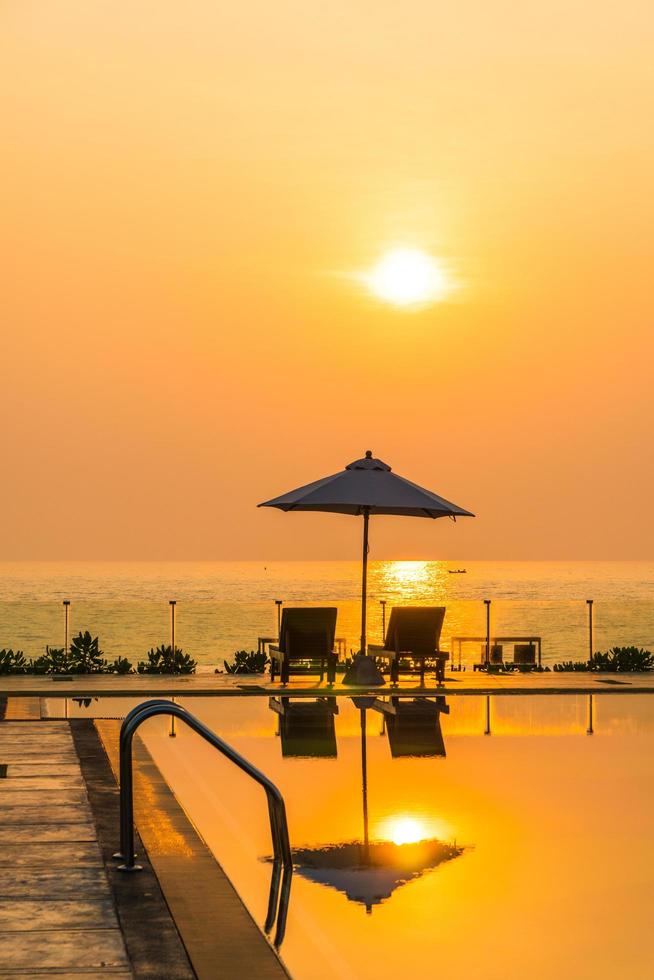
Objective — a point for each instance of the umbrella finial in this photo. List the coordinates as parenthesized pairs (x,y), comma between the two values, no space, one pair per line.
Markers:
(368,453)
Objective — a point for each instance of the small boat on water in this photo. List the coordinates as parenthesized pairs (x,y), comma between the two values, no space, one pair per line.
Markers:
(457,571)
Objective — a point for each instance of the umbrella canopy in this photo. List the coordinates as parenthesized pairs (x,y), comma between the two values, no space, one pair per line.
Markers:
(367,486)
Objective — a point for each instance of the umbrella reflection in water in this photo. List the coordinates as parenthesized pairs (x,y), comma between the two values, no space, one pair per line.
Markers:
(369,871)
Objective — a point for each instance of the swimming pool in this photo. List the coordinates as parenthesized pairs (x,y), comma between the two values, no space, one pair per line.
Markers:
(526,851)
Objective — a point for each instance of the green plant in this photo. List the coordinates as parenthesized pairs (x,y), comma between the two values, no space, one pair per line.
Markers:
(121,665)
(55,660)
(247,663)
(164,661)
(13,662)
(615,660)
(85,654)
(621,659)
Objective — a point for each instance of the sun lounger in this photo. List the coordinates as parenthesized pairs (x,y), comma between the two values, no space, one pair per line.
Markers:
(412,637)
(306,644)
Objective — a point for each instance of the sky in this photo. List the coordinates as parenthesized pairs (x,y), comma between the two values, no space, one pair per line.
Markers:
(190,195)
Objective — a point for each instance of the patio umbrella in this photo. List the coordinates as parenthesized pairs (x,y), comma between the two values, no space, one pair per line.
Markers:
(365,487)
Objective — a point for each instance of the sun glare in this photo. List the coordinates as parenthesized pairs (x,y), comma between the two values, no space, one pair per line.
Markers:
(405,830)
(408,276)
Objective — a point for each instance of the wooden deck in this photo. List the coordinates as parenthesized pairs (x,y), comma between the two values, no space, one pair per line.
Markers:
(57,915)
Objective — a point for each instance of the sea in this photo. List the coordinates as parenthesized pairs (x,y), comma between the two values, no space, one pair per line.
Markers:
(224,606)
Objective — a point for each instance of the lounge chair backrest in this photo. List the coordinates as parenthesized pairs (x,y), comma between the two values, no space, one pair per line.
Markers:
(524,653)
(496,653)
(307,629)
(415,628)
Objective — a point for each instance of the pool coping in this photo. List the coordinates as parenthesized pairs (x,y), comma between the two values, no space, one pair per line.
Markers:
(152,941)
(209,685)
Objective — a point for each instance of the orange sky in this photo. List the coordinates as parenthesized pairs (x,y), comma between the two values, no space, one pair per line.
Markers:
(186,192)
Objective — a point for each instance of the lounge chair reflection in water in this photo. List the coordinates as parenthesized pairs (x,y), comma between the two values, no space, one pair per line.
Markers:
(413,725)
(306,728)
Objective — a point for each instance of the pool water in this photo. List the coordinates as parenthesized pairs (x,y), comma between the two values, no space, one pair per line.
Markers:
(528,851)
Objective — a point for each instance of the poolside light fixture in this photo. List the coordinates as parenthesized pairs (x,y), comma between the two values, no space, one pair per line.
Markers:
(66,604)
(365,487)
(172,603)
(589,603)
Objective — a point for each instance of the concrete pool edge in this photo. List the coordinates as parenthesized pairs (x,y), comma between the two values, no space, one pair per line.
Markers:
(219,935)
(208,685)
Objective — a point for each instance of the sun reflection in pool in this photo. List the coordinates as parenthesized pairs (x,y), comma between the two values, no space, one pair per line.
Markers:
(404,830)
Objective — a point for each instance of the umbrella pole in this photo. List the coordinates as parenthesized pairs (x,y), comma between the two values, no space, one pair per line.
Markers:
(364,579)
(363,670)
(364,782)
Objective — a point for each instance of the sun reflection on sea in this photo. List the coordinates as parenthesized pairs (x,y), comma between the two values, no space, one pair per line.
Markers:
(409,580)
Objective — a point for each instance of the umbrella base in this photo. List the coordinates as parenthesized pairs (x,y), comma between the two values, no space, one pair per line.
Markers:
(364,672)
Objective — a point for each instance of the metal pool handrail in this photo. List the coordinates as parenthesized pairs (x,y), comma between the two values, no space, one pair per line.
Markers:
(276,809)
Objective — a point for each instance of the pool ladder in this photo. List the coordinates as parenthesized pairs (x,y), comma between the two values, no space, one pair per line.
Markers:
(282,863)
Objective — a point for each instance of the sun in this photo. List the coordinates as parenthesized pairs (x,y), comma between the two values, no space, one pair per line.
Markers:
(407,277)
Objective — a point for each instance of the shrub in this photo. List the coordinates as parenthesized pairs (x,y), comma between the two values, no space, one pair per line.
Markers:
(164,660)
(121,665)
(55,660)
(85,654)
(84,657)
(247,663)
(615,660)
(623,659)
(13,663)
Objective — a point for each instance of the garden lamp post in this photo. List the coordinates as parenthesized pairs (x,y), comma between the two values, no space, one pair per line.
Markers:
(66,605)
(589,603)
(172,603)
(487,603)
